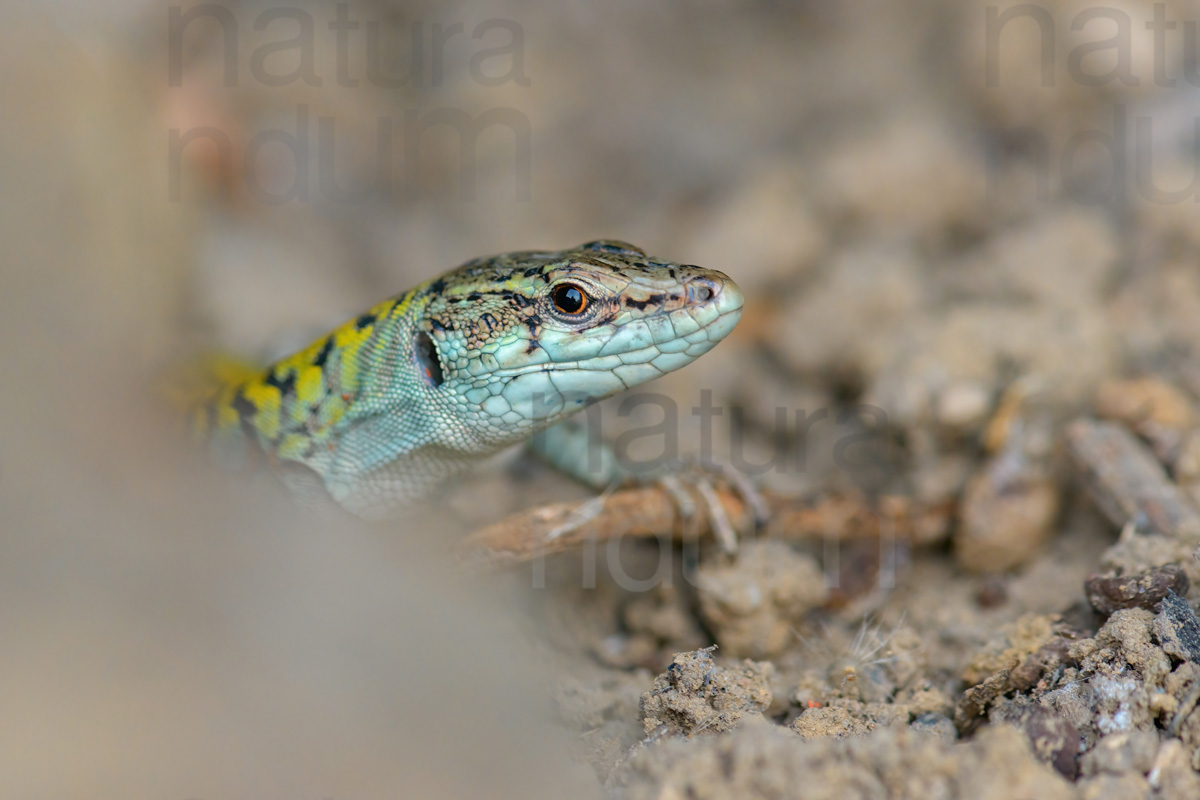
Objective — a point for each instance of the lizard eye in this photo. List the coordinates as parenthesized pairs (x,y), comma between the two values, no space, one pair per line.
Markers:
(570,299)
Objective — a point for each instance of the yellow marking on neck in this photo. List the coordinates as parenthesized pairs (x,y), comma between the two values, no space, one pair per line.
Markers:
(293,446)
(349,340)
(227,416)
(266,399)
(217,383)
(310,386)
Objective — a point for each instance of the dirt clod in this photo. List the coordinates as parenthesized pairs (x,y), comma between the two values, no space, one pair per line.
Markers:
(695,695)
(831,721)
(753,604)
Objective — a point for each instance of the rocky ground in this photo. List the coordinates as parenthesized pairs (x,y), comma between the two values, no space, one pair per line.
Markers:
(972,269)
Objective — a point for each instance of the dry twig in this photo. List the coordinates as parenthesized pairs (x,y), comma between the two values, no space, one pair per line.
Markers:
(650,511)
(1127,482)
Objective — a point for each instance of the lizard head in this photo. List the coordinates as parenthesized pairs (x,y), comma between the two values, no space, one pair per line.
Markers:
(508,345)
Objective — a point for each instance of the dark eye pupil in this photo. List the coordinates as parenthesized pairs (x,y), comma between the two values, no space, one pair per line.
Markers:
(569,299)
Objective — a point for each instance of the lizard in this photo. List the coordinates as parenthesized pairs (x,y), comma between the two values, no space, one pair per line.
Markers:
(384,408)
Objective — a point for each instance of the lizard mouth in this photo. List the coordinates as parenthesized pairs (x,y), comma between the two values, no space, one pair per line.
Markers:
(542,393)
(666,353)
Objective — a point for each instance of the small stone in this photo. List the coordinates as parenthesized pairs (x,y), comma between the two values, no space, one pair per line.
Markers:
(1145,401)
(1003,523)
(963,406)
(1107,593)
(992,593)
(1054,739)
(1187,465)
(1177,628)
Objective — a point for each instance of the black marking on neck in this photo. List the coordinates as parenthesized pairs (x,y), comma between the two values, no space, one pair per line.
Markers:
(286,385)
(364,321)
(244,408)
(323,353)
(246,411)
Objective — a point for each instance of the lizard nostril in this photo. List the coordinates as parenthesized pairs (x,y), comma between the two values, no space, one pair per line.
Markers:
(701,290)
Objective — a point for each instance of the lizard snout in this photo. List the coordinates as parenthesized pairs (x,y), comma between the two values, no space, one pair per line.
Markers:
(714,288)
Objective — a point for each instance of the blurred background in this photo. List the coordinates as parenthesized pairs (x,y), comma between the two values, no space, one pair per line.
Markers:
(926,204)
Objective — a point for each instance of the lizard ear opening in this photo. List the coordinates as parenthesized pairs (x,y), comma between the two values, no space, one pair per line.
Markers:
(427,359)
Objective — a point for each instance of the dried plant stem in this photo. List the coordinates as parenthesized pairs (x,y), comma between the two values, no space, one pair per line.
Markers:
(650,511)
